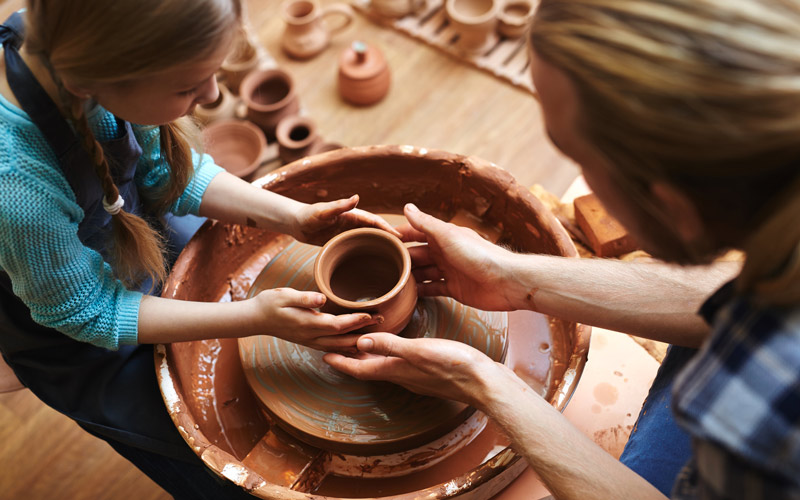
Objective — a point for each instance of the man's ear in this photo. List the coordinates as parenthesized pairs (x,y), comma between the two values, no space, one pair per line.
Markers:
(680,209)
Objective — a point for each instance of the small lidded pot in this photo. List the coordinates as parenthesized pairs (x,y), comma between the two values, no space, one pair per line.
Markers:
(367,270)
(364,77)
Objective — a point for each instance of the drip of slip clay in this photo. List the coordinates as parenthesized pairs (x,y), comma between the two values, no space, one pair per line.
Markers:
(203,383)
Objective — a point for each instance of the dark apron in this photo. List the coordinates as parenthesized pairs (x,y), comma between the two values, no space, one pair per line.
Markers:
(112,394)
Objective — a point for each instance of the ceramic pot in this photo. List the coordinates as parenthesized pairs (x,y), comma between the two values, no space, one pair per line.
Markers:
(513,18)
(364,76)
(236,145)
(242,60)
(268,96)
(367,270)
(396,8)
(224,108)
(297,138)
(475,22)
(307,32)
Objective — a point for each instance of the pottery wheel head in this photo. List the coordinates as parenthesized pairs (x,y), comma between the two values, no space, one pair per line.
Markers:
(324,408)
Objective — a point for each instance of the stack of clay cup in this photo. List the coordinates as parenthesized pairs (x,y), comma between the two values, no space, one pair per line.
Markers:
(479,22)
(256,108)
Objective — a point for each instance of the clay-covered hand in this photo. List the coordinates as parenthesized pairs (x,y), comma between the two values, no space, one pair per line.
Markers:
(434,367)
(290,314)
(318,223)
(458,263)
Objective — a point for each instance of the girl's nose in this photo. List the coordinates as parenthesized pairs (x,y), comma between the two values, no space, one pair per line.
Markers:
(208,92)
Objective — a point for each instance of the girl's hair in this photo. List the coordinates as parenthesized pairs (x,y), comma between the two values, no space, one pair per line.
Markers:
(703,94)
(96,41)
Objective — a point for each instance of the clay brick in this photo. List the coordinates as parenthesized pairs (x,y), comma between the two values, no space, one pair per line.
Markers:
(605,234)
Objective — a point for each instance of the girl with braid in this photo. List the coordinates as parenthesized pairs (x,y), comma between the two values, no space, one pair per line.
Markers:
(100,189)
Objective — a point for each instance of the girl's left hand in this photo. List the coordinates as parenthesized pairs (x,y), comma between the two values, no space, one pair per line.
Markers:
(317,223)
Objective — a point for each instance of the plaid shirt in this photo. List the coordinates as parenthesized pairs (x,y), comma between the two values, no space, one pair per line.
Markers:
(739,398)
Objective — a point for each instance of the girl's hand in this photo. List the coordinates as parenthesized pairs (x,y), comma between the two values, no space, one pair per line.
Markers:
(458,263)
(289,314)
(434,367)
(318,223)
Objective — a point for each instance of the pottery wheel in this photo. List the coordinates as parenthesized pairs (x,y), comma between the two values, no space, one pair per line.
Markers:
(324,408)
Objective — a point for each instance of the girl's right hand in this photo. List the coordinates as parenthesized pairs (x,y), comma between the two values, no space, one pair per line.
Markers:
(289,314)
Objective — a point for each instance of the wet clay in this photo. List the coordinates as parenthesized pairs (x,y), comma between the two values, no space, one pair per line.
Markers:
(204,387)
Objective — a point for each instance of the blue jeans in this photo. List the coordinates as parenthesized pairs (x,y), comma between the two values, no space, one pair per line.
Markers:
(657,448)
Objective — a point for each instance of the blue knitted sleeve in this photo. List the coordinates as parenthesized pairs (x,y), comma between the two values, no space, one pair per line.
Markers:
(66,285)
(153,171)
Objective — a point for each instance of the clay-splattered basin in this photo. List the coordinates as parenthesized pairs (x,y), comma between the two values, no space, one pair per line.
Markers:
(203,383)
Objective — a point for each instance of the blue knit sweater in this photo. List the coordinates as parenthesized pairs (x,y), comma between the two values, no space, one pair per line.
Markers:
(66,285)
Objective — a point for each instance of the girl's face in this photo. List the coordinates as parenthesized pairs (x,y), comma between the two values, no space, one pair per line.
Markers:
(165,96)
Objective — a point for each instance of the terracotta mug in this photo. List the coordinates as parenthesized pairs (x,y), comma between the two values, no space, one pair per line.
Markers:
(225,107)
(367,270)
(267,97)
(307,32)
(396,8)
(514,17)
(297,138)
(475,22)
(236,145)
(243,59)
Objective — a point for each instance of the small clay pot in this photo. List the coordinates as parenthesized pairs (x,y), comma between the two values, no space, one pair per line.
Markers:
(513,18)
(268,96)
(395,9)
(297,138)
(243,59)
(236,145)
(364,76)
(223,108)
(367,270)
(307,33)
(475,22)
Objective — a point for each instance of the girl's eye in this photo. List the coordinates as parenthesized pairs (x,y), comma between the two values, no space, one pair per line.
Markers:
(188,92)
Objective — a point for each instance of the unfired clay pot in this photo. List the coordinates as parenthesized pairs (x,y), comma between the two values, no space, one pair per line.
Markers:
(212,401)
(242,60)
(307,33)
(514,17)
(224,108)
(297,137)
(269,97)
(364,76)
(236,145)
(396,8)
(475,22)
(367,270)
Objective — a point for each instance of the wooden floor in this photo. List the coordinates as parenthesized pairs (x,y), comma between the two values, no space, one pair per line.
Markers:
(435,102)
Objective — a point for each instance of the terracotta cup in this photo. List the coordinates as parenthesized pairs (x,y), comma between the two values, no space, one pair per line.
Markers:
(242,60)
(396,8)
(297,138)
(475,22)
(513,18)
(307,32)
(236,145)
(364,76)
(268,96)
(367,270)
(222,109)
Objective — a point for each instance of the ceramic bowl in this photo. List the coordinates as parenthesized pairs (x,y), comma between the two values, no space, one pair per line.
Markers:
(236,145)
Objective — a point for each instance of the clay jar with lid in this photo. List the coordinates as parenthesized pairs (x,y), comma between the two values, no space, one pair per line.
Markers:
(297,138)
(513,18)
(236,145)
(364,76)
(475,22)
(223,108)
(367,270)
(307,32)
(268,96)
